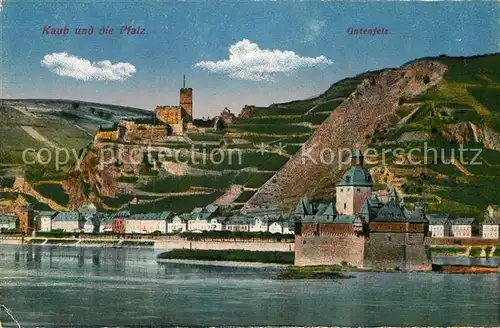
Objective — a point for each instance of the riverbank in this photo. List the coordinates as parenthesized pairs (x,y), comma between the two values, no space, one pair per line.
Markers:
(234,255)
(224,263)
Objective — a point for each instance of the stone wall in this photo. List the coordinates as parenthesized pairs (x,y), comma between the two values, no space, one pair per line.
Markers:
(186,100)
(385,250)
(180,243)
(329,250)
(106,135)
(398,250)
(145,133)
(169,114)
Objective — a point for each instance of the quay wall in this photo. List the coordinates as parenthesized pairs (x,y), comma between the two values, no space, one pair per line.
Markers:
(174,242)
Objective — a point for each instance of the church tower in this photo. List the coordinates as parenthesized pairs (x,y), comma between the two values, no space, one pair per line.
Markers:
(354,187)
(186,98)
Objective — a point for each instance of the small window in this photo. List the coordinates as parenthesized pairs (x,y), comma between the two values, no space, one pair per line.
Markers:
(389,238)
(358,189)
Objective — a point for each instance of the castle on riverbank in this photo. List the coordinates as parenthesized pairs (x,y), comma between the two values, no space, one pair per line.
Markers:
(360,230)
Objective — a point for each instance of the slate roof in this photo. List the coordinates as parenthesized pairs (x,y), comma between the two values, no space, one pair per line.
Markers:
(197,210)
(211,208)
(437,219)
(68,216)
(239,219)
(303,207)
(491,221)
(150,216)
(415,216)
(350,219)
(7,219)
(356,176)
(463,221)
(391,212)
(122,214)
(330,210)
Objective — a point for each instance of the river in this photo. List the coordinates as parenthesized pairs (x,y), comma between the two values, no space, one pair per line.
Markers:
(60,286)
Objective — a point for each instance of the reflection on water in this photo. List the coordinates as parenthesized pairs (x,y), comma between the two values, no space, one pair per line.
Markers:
(50,285)
(462,260)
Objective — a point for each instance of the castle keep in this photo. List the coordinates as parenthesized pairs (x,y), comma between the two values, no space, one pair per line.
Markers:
(360,230)
(167,121)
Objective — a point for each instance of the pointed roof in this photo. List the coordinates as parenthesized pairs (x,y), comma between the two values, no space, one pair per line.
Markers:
(391,212)
(366,208)
(330,210)
(356,176)
(303,207)
(375,201)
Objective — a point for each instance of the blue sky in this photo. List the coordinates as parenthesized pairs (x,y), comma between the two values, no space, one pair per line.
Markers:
(293,50)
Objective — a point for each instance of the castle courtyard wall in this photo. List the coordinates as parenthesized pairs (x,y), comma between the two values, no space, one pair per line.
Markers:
(329,250)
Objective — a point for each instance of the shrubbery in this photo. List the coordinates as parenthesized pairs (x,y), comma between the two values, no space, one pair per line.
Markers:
(230,255)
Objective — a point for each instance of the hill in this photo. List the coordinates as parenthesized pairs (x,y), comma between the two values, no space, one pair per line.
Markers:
(439,102)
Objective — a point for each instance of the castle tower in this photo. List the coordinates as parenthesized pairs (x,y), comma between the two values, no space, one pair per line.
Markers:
(354,187)
(186,98)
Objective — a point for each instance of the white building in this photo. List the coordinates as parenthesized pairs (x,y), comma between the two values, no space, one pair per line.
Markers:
(147,223)
(237,223)
(68,222)
(275,227)
(490,228)
(215,224)
(88,226)
(176,225)
(288,228)
(464,227)
(43,220)
(7,222)
(105,222)
(439,225)
(258,225)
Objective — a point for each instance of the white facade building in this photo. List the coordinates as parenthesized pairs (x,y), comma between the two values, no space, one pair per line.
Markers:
(147,223)
(44,220)
(490,228)
(214,224)
(258,225)
(276,227)
(88,227)
(68,222)
(439,225)
(464,227)
(176,225)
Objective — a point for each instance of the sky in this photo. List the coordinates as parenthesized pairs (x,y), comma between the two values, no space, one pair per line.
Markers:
(233,53)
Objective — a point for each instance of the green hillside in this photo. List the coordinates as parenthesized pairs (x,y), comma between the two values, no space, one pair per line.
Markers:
(264,138)
(441,119)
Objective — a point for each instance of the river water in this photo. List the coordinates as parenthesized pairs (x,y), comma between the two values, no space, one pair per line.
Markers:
(61,286)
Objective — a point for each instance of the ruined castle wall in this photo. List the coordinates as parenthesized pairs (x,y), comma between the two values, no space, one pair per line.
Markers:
(186,100)
(169,114)
(106,135)
(329,250)
(145,133)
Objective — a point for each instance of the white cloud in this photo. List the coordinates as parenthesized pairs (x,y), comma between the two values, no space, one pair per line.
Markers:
(313,30)
(64,64)
(248,62)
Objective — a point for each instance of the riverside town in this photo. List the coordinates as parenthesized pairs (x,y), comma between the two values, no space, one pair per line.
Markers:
(249,164)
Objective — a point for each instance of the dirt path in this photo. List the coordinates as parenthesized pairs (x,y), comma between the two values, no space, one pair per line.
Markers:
(230,195)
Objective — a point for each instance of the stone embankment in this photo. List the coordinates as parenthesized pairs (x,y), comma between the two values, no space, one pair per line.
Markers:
(162,242)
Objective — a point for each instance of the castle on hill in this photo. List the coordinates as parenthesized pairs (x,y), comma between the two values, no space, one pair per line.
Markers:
(167,121)
(361,230)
